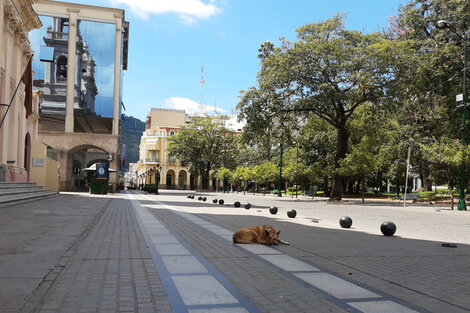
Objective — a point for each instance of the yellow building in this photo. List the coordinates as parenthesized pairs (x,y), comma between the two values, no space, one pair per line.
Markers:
(154,158)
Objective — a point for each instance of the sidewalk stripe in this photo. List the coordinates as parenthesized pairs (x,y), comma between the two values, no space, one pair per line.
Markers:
(193,285)
(341,291)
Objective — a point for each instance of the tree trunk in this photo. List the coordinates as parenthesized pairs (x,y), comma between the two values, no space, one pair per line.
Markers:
(205,180)
(427,183)
(341,149)
(363,183)
(325,186)
(379,181)
(451,187)
(358,186)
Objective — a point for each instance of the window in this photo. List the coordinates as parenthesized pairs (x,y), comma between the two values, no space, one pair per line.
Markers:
(62,66)
(97,56)
(172,133)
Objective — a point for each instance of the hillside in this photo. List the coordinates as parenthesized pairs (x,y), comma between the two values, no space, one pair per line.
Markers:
(131,131)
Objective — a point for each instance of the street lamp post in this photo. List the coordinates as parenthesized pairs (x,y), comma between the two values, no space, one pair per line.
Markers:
(279,193)
(296,166)
(443,24)
(157,169)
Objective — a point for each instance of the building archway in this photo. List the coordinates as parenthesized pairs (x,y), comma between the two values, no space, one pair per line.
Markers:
(193,182)
(170,179)
(82,157)
(182,180)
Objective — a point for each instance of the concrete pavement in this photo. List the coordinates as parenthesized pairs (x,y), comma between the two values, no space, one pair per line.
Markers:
(133,252)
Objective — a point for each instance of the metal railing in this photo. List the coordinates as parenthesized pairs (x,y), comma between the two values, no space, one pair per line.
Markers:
(150,160)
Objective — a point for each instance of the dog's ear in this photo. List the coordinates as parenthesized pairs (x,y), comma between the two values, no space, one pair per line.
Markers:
(278,233)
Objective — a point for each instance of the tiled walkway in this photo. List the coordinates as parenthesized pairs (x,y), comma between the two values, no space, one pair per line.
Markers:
(195,285)
(133,252)
(340,291)
(112,271)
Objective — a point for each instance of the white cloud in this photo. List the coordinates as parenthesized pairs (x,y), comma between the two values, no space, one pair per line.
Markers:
(186,104)
(190,106)
(233,123)
(189,11)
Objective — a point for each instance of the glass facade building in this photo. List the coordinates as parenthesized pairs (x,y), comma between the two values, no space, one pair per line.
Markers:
(80,53)
(94,73)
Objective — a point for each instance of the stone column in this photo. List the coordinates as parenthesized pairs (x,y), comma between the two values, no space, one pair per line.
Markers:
(117,74)
(2,49)
(8,32)
(71,68)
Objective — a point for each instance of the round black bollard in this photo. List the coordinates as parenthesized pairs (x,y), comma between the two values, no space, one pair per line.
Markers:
(345,222)
(291,213)
(214,201)
(237,204)
(189,196)
(199,198)
(388,228)
(192,196)
(204,198)
(247,206)
(221,201)
(273,210)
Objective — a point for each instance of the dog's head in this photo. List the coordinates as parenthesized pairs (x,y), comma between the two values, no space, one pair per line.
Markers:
(271,234)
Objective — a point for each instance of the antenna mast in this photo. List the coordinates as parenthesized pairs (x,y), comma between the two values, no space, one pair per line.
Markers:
(200,109)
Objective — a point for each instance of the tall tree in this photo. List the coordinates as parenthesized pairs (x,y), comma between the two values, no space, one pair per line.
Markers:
(329,72)
(433,75)
(205,145)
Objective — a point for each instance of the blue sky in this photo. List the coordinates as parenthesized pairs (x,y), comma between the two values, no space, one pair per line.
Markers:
(171,39)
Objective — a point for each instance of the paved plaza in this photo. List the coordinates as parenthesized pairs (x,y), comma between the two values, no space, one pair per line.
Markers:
(137,252)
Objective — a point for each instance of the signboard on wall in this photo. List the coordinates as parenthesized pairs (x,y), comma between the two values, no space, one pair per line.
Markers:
(101,171)
(38,162)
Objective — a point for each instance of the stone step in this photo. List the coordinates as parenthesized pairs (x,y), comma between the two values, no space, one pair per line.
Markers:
(12,193)
(18,191)
(8,185)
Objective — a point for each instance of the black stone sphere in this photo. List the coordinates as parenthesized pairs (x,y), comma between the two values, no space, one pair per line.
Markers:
(273,210)
(192,196)
(247,206)
(214,201)
(199,198)
(237,204)
(221,201)
(204,198)
(388,228)
(345,222)
(189,196)
(291,213)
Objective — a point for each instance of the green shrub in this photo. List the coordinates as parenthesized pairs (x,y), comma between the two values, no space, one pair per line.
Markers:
(427,195)
(150,188)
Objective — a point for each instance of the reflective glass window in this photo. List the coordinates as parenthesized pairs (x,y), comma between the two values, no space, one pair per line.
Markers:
(50,47)
(97,65)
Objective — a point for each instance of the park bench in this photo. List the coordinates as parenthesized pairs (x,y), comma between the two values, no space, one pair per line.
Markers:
(312,192)
(412,196)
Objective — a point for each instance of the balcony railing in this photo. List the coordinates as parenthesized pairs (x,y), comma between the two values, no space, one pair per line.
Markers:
(150,160)
(61,80)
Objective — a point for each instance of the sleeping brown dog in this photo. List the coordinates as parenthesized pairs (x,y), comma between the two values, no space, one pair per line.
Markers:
(263,234)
